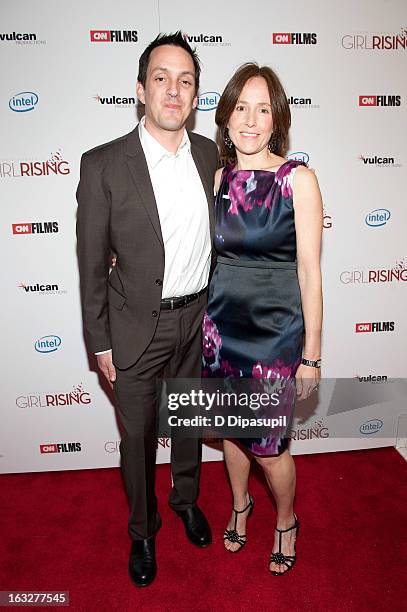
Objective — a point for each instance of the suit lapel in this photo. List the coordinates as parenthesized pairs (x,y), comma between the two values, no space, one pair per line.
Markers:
(138,168)
(207,182)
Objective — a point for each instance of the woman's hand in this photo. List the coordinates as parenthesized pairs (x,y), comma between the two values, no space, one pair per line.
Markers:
(307,380)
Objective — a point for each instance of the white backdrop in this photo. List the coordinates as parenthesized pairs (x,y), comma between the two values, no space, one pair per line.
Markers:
(63,93)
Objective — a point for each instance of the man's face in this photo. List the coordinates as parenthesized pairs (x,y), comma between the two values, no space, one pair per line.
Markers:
(169,93)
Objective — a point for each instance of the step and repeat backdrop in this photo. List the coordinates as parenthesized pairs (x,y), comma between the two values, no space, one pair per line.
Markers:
(68,84)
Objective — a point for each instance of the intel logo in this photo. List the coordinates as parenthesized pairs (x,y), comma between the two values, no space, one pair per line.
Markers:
(23,102)
(208,101)
(370,427)
(377,217)
(299,156)
(47,344)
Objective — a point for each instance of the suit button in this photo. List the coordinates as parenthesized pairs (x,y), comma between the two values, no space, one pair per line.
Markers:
(158,282)
(154,313)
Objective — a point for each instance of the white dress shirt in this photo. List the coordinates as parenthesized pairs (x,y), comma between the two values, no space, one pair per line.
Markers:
(183,213)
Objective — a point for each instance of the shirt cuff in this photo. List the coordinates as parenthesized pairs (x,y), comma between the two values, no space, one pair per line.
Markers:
(103,352)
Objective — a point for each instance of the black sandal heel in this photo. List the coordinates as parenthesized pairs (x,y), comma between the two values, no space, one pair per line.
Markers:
(278,557)
(232,535)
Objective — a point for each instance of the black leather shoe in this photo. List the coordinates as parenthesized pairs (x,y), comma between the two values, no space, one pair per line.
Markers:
(196,526)
(142,565)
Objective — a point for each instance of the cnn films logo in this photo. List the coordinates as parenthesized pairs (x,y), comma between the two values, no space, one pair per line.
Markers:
(77,397)
(375,41)
(37,227)
(317,431)
(56,165)
(208,101)
(114,36)
(371,426)
(42,289)
(294,38)
(48,344)
(380,100)
(379,275)
(378,217)
(206,40)
(377,326)
(301,103)
(112,447)
(117,101)
(21,38)
(61,447)
(379,161)
(23,102)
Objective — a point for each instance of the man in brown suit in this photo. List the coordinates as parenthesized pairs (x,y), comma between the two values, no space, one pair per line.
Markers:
(148,197)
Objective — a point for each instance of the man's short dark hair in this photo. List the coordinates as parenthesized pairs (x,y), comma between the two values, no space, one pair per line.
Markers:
(177,40)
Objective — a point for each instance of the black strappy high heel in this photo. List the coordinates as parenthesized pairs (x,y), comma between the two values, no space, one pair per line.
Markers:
(278,557)
(232,535)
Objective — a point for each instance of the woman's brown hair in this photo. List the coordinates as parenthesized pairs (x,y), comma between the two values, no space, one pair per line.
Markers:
(280,108)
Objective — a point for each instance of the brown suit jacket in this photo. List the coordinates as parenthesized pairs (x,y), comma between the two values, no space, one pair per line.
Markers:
(117,212)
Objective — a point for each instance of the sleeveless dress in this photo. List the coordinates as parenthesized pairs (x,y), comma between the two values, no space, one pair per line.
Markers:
(253,327)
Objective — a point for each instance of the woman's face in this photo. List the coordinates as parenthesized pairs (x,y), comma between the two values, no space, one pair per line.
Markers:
(251,123)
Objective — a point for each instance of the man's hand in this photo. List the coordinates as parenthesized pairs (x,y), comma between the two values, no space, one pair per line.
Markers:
(106,366)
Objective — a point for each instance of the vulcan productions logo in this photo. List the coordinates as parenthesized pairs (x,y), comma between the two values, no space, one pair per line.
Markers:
(317,431)
(376,326)
(61,447)
(294,38)
(380,100)
(20,38)
(116,101)
(37,227)
(42,289)
(379,275)
(375,41)
(114,36)
(301,103)
(206,40)
(372,378)
(56,165)
(379,161)
(77,397)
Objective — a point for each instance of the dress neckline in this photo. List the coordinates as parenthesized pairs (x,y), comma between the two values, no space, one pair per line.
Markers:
(232,170)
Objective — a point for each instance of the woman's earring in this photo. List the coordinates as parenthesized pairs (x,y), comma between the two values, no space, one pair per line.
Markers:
(226,139)
(272,144)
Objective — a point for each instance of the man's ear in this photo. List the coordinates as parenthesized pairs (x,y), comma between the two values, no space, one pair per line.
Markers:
(140,92)
(195,102)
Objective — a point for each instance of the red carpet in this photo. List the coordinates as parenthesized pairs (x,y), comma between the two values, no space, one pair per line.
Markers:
(67,531)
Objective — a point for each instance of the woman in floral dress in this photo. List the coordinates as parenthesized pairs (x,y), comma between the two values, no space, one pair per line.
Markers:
(264,315)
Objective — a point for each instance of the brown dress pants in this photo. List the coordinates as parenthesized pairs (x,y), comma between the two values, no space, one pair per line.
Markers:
(175,352)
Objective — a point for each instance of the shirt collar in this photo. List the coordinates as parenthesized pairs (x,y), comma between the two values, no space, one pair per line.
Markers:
(154,151)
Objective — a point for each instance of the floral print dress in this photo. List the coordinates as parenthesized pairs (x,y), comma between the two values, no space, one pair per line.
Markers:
(254,327)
